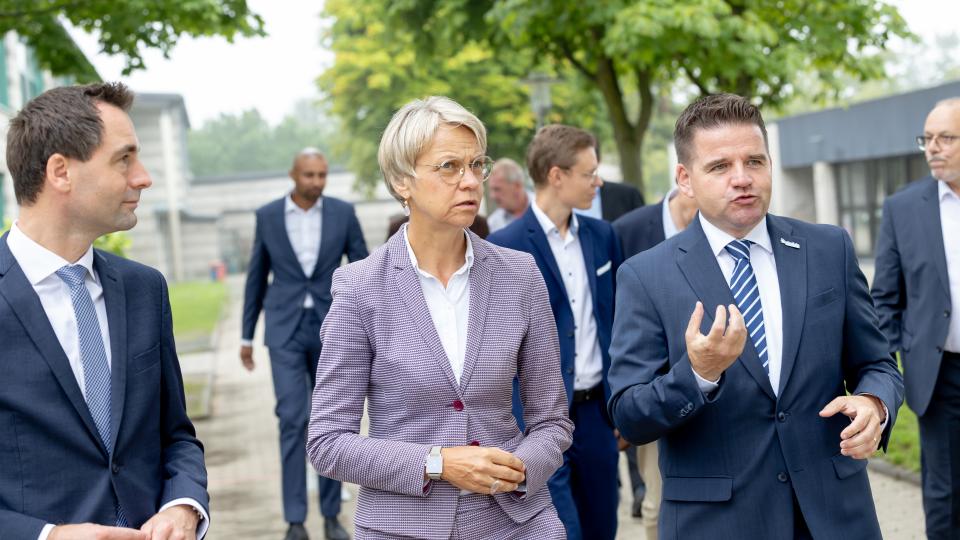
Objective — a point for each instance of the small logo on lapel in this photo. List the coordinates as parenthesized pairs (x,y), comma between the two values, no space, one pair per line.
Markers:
(790,244)
(603,269)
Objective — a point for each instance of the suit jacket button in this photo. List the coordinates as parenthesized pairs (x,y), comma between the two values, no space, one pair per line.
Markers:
(782,416)
(569,370)
(457,405)
(939,349)
(946,313)
(115,468)
(782,476)
(570,335)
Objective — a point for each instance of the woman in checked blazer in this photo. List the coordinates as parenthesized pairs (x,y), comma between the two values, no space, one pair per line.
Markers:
(430,330)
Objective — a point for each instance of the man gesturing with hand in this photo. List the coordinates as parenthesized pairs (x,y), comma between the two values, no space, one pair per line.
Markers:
(748,346)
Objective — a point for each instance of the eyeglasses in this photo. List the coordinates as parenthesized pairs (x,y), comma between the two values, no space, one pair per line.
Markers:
(451,171)
(923,141)
(592,177)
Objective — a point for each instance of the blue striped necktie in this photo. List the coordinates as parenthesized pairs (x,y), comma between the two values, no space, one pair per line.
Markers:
(93,357)
(743,285)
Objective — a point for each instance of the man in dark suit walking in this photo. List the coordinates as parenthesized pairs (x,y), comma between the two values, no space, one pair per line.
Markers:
(639,230)
(300,239)
(916,289)
(94,436)
(578,257)
(769,397)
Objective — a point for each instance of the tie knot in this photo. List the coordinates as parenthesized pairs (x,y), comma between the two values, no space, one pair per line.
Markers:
(739,249)
(73,275)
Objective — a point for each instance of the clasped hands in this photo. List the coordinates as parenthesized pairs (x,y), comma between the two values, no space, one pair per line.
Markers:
(710,355)
(175,523)
(483,470)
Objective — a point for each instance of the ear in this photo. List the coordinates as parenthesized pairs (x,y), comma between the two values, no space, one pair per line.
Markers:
(58,173)
(683,180)
(293,174)
(402,187)
(555,176)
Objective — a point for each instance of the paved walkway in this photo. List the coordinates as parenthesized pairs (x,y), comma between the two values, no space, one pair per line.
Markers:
(244,465)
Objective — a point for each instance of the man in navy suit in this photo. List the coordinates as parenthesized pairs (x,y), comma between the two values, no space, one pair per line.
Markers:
(94,436)
(301,239)
(578,257)
(916,289)
(768,399)
(639,230)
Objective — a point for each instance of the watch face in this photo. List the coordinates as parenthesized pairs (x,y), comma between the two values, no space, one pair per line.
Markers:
(434,464)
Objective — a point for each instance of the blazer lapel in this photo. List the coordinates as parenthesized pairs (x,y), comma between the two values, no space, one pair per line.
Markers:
(407,282)
(699,266)
(585,237)
(29,311)
(327,221)
(792,278)
(481,276)
(932,230)
(115,299)
(539,241)
(279,222)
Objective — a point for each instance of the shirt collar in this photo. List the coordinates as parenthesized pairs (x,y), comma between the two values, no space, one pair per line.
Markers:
(467,257)
(547,224)
(37,262)
(944,191)
(290,206)
(669,227)
(719,239)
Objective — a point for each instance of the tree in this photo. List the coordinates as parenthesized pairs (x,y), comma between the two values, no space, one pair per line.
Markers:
(379,68)
(630,49)
(125,28)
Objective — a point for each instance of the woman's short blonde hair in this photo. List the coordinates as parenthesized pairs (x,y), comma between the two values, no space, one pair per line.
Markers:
(411,131)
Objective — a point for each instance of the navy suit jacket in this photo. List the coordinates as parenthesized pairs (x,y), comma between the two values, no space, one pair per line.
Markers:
(640,229)
(911,288)
(282,300)
(601,256)
(55,469)
(618,198)
(732,460)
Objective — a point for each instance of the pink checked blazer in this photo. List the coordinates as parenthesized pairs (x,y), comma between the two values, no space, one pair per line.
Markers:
(380,345)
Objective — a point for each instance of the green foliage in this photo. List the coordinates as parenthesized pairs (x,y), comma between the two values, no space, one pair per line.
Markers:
(196,307)
(245,142)
(904,446)
(381,64)
(631,51)
(125,28)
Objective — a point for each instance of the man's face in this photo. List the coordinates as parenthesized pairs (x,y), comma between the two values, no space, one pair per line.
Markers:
(729,175)
(309,175)
(944,159)
(106,188)
(508,195)
(579,183)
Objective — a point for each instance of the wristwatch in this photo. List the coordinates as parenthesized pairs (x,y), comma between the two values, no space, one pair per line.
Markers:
(434,463)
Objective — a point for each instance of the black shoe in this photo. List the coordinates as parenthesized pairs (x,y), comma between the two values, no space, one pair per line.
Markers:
(296,532)
(333,530)
(636,509)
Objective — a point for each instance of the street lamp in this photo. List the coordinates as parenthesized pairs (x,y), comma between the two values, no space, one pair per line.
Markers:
(539,84)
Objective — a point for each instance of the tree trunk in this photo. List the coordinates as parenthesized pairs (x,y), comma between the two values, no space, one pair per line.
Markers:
(624,132)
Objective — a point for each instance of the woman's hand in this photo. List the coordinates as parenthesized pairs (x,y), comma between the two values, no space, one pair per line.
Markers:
(482,470)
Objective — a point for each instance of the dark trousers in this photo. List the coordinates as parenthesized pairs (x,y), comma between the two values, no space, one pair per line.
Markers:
(940,453)
(294,368)
(585,490)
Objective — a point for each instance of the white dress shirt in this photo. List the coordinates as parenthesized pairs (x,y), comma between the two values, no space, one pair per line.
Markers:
(669,227)
(950,225)
(303,230)
(765,271)
(449,306)
(40,265)
(588,362)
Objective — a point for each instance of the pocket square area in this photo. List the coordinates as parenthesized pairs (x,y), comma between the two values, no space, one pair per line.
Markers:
(603,269)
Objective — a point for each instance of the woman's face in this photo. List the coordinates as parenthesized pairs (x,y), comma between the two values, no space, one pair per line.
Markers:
(439,193)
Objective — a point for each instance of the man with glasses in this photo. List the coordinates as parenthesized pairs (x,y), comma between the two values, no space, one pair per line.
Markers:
(916,289)
(578,257)
(301,239)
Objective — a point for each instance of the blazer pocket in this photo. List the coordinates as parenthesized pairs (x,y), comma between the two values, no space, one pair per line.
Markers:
(846,466)
(604,269)
(821,299)
(145,360)
(703,489)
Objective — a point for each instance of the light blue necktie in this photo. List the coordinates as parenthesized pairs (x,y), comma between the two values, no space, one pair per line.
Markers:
(93,357)
(743,285)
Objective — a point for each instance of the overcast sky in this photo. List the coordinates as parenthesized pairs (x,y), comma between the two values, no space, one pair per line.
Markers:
(274,72)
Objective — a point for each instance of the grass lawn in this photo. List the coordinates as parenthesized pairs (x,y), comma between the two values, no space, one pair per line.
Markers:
(904,447)
(196,307)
